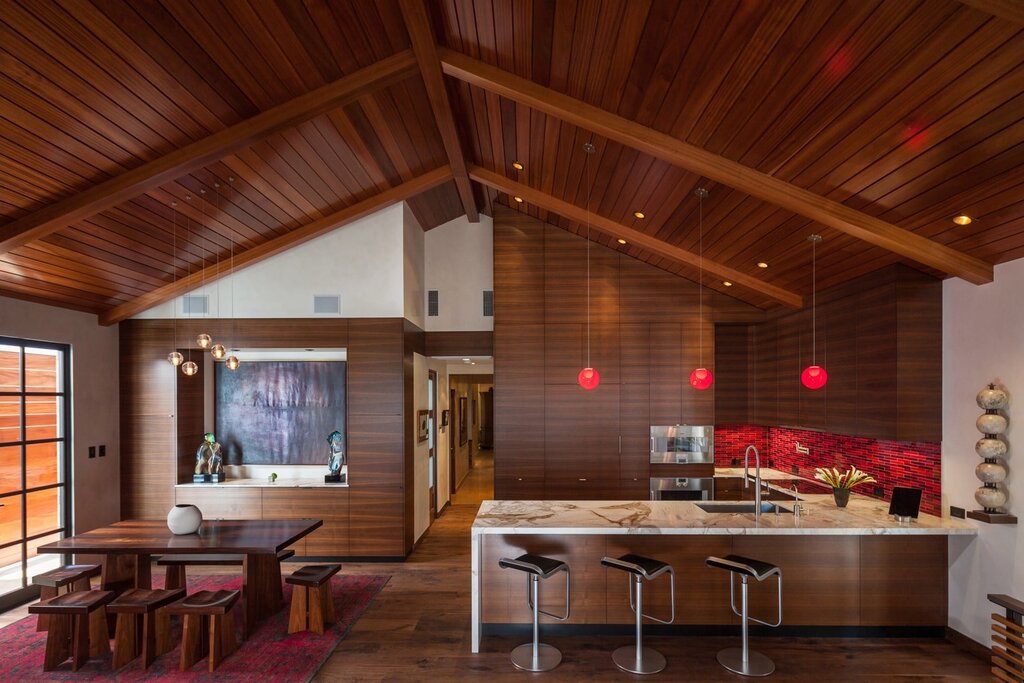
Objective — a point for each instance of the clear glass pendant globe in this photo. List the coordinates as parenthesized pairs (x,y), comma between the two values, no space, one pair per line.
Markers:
(175,358)
(231,363)
(190,368)
(204,340)
(218,351)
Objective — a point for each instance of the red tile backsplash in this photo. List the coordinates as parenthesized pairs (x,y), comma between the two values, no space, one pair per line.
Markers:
(892,463)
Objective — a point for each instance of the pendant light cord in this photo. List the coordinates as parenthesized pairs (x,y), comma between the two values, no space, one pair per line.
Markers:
(174,272)
(188,235)
(590,187)
(700,276)
(814,301)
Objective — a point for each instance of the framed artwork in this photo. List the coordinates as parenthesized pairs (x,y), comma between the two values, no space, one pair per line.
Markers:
(463,420)
(445,415)
(422,425)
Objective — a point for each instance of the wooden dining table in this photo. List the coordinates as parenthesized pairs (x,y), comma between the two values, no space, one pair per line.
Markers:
(127,549)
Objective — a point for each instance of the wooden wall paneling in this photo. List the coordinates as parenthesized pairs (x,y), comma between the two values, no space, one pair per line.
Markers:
(810,574)
(635,353)
(328,504)
(565,352)
(787,357)
(459,344)
(839,329)
(648,294)
(581,433)
(732,374)
(507,590)
(519,413)
(877,362)
(376,450)
(635,431)
(811,403)
(190,414)
(919,357)
(221,502)
(666,374)
(697,407)
(764,352)
(702,594)
(565,280)
(518,268)
(377,521)
(375,373)
(904,581)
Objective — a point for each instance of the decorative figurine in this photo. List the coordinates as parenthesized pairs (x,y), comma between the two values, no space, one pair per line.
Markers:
(336,459)
(209,463)
(992,448)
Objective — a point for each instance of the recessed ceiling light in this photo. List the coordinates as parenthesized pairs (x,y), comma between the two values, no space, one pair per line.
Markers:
(638,214)
(465,360)
(518,199)
(727,283)
(516,165)
(762,264)
(962,219)
(621,241)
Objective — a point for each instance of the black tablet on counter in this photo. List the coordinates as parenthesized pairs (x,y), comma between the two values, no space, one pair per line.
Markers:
(905,503)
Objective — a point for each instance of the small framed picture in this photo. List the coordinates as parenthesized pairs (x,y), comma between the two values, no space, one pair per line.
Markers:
(445,416)
(422,425)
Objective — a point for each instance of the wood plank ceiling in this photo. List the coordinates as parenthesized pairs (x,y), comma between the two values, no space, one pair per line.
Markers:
(911,112)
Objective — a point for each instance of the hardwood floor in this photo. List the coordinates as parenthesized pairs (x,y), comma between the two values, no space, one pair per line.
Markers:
(417,629)
(478,485)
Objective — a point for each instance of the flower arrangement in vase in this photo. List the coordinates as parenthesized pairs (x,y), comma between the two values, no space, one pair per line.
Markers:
(842,482)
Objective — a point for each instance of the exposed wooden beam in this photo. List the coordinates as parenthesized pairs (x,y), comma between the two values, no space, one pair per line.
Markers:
(631,235)
(1010,10)
(202,152)
(279,244)
(417,22)
(718,168)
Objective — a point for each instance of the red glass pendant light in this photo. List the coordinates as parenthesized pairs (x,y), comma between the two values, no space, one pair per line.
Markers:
(588,378)
(814,376)
(701,378)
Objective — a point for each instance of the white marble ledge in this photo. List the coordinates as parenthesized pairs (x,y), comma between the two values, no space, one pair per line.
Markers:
(263,483)
(820,516)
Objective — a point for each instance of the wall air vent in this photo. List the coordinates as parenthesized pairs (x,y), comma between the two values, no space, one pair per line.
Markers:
(327,304)
(432,303)
(195,304)
(488,303)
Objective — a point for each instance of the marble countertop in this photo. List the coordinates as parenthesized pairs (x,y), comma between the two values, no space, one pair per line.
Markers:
(280,483)
(819,516)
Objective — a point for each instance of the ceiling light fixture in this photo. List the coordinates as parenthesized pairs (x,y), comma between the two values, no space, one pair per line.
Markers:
(701,378)
(217,350)
(639,214)
(516,165)
(174,357)
(231,362)
(726,283)
(204,340)
(762,264)
(588,377)
(621,241)
(814,376)
(189,367)
(518,199)
(963,219)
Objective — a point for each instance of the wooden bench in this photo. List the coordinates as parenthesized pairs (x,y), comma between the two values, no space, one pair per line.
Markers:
(140,604)
(312,601)
(78,627)
(72,577)
(209,627)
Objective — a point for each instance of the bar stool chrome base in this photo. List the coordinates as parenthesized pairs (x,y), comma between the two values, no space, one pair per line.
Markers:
(757,664)
(649,662)
(547,657)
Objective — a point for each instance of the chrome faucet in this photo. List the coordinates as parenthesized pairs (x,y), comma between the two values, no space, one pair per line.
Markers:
(757,477)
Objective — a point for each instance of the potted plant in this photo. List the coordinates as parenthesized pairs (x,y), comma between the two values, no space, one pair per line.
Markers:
(842,482)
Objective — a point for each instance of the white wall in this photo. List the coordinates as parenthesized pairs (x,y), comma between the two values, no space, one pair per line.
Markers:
(982,336)
(413,271)
(459,258)
(364,262)
(94,396)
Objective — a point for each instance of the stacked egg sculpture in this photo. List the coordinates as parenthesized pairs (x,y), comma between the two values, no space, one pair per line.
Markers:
(992,449)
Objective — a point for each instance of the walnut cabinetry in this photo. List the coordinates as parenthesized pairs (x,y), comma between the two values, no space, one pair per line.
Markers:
(879,337)
(554,440)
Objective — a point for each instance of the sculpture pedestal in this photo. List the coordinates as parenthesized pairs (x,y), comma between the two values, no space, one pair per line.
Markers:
(216,478)
(334,478)
(201,479)
(992,517)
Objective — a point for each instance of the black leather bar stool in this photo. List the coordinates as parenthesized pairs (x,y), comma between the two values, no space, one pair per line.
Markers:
(742,660)
(640,659)
(537,656)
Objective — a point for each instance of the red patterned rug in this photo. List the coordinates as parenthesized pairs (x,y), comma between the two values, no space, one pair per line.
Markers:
(270,654)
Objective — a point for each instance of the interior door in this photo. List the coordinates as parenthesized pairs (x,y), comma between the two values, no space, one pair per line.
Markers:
(432,442)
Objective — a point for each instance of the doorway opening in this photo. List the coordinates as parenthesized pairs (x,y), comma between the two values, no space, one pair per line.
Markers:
(471,449)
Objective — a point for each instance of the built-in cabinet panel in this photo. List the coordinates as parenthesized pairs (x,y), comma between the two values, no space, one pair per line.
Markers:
(879,338)
(666,374)
(732,375)
(635,431)
(581,437)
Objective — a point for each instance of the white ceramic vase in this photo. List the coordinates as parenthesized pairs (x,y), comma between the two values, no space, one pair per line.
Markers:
(990,472)
(184,519)
(990,498)
(990,448)
(991,424)
(991,398)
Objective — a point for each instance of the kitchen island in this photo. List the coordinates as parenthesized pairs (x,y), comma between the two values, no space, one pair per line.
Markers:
(852,571)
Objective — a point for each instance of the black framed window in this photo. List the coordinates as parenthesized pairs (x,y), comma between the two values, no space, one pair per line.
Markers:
(35,460)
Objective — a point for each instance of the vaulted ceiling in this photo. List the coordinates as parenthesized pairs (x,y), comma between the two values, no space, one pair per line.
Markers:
(143,141)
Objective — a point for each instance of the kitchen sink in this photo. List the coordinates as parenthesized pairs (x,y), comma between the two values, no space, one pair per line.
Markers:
(742,507)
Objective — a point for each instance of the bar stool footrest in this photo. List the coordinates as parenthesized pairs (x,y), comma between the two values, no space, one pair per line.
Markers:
(757,664)
(548,657)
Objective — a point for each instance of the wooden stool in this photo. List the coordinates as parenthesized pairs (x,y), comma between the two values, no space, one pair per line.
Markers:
(155,637)
(72,577)
(209,613)
(312,610)
(78,627)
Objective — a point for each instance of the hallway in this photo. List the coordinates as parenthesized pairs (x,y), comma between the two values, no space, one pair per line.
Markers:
(478,485)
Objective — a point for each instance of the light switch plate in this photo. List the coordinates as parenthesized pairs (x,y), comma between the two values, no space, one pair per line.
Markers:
(92,451)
